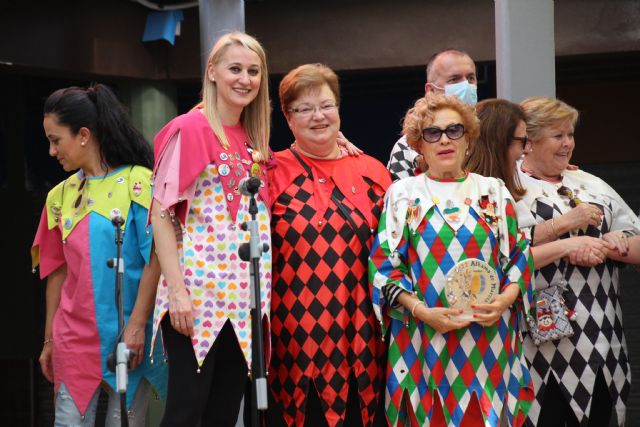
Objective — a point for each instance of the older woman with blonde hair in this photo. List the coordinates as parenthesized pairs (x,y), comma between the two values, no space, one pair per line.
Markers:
(572,373)
(451,281)
(502,142)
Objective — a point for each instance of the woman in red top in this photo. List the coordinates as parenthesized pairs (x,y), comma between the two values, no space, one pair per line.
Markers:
(324,205)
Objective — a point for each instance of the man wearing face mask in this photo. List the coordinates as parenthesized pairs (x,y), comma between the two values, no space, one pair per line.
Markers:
(451,72)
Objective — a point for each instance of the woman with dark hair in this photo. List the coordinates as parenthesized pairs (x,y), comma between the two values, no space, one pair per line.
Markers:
(502,139)
(89,131)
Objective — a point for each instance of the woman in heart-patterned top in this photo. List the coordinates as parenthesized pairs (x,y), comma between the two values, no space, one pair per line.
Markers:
(202,304)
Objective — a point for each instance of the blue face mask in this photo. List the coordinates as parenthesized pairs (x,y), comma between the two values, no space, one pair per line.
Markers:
(465,91)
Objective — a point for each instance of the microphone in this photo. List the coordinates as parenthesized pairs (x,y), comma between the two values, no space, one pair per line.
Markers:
(116,217)
(249,185)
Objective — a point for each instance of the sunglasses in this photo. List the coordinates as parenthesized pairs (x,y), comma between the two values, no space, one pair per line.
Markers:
(78,201)
(573,199)
(523,139)
(433,134)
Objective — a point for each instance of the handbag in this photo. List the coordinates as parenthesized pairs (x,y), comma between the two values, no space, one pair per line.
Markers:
(553,318)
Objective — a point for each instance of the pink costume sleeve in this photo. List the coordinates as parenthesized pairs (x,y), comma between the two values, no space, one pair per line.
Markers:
(46,250)
(167,179)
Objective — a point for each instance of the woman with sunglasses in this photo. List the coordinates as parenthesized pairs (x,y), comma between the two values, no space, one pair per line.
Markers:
(89,131)
(501,143)
(583,377)
(451,364)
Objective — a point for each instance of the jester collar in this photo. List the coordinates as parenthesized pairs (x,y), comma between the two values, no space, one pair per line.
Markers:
(408,201)
(109,196)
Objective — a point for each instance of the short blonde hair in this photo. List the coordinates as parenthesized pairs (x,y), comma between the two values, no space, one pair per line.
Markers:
(306,78)
(256,116)
(542,112)
(423,112)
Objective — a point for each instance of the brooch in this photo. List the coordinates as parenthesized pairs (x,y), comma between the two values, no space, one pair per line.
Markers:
(137,188)
(452,212)
(413,210)
(488,210)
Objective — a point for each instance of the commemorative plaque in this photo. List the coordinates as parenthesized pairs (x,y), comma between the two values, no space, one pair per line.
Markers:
(469,282)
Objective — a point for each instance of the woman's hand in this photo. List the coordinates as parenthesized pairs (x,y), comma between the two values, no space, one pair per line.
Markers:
(351,148)
(584,257)
(618,241)
(488,314)
(581,216)
(587,251)
(181,310)
(438,318)
(134,339)
(46,361)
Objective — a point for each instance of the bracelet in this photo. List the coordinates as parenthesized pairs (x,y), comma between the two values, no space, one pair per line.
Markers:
(47,341)
(553,227)
(416,304)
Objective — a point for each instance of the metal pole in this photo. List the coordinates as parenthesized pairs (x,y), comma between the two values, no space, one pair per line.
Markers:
(525,49)
(218,17)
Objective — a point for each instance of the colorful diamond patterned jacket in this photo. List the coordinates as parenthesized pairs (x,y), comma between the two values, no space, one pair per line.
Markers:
(426,228)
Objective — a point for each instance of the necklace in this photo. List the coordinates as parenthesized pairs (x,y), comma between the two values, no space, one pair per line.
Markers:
(459,178)
(335,154)
(534,175)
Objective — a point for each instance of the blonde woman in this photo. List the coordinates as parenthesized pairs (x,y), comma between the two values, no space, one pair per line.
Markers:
(573,373)
(202,305)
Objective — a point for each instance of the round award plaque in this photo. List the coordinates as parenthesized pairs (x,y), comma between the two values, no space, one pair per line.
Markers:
(469,282)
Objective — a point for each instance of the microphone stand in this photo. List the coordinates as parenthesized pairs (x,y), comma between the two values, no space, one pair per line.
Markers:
(118,361)
(251,252)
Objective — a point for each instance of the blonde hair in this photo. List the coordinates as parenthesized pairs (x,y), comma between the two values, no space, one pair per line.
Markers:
(255,117)
(542,112)
(423,113)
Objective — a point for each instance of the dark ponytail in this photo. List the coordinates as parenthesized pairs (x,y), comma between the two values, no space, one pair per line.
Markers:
(98,109)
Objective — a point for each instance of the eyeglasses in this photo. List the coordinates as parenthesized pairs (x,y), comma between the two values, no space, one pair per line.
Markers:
(433,134)
(306,110)
(573,199)
(523,139)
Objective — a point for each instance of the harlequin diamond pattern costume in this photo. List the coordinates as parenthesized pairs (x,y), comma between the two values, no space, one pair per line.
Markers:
(598,342)
(418,243)
(402,160)
(323,326)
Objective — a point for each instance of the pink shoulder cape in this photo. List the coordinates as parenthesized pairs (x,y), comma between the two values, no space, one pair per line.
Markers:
(198,147)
